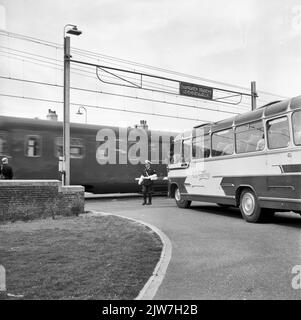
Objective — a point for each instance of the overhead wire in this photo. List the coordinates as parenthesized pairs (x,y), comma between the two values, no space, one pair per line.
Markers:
(24,58)
(117,95)
(93,54)
(101,107)
(82,66)
(242,105)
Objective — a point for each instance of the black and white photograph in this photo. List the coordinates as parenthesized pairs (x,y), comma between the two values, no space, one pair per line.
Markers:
(150,153)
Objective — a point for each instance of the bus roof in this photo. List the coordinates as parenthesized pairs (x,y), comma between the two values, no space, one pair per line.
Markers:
(271,109)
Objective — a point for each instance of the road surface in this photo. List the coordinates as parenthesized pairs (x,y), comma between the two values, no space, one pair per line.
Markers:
(215,253)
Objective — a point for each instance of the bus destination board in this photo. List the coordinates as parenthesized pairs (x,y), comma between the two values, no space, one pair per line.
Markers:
(196,91)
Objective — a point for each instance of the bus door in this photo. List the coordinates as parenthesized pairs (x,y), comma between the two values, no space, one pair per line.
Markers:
(280,159)
(177,169)
(198,177)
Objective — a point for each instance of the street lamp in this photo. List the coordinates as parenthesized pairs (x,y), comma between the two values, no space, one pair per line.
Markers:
(80,113)
(66,127)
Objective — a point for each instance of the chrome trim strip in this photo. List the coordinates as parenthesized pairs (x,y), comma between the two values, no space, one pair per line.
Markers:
(207,195)
(227,185)
(260,175)
(279,199)
(290,187)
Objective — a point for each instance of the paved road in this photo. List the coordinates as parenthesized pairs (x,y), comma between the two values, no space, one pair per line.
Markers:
(216,254)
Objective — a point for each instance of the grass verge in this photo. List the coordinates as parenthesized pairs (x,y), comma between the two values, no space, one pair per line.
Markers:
(104,257)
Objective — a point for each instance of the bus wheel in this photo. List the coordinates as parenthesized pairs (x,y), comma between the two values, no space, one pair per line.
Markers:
(249,206)
(180,202)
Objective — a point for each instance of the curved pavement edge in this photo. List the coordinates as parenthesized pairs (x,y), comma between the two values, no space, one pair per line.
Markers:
(152,285)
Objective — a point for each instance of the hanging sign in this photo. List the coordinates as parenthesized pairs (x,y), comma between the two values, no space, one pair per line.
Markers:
(196,91)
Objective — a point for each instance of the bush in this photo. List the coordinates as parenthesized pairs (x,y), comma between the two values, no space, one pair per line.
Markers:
(77,206)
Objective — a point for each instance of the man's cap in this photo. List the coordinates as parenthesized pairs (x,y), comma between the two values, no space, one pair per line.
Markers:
(4,160)
(147,162)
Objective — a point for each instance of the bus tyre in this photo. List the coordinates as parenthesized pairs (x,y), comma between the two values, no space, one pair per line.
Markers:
(180,202)
(249,206)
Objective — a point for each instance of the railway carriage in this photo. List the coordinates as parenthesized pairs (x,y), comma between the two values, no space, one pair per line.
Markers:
(103,159)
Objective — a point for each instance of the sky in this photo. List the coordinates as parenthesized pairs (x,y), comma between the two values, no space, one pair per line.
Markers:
(233,42)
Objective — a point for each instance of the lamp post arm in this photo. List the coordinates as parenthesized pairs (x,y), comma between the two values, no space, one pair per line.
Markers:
(68,25)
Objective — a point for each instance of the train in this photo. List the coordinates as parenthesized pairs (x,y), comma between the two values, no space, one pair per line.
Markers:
(104,159)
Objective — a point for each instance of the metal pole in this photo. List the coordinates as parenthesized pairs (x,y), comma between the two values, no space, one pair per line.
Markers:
(86,114)
(66,127)
(253,94)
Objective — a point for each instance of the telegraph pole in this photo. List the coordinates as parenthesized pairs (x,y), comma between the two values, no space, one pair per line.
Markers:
(253,95)
(66,125)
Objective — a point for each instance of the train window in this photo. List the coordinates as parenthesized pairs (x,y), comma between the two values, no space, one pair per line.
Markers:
(250,137)
(278,133)
(155,150)
(167,149)
(3,144)
(33,146)
(222,143)
(296,119)
(201,147)
(59,147)
(77,149)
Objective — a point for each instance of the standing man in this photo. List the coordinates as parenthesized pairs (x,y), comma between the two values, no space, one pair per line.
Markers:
(148,176)
(6,171)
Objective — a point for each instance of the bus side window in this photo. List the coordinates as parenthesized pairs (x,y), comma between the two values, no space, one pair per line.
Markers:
(296,120)
(186,150)
(33,146)
(207,146)
(250,137)
(197,148)
(201,147)
(278,133)
(222,143)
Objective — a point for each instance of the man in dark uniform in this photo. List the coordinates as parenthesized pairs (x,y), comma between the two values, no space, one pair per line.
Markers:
(147,184)
(6,171)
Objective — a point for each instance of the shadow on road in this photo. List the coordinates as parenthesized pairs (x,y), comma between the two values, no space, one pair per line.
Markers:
(286,219)
(289,220)
(230,212)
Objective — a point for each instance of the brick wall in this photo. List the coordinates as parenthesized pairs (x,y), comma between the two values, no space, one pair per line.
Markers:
(30,199)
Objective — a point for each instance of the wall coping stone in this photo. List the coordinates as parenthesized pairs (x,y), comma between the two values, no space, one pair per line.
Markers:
(21,183)
(71,189)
